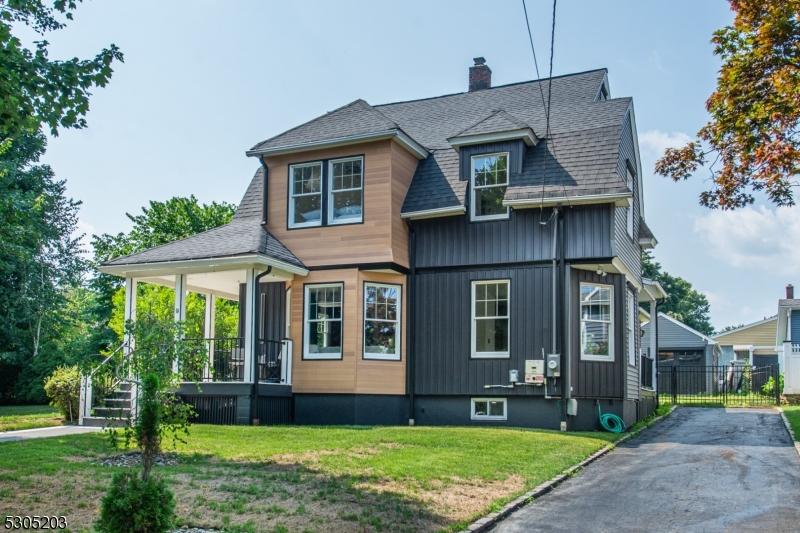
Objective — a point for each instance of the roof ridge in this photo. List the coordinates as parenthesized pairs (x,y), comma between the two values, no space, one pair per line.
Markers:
(747,326)
(501,112)
(377,113)
(540,80)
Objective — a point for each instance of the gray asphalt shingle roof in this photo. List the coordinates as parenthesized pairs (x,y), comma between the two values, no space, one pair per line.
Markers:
(498,121)
(244,235)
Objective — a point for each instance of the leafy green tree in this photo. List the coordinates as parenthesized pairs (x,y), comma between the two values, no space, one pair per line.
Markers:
(162,223)
(36,91)
(726,329)
(755,110)
(683,303)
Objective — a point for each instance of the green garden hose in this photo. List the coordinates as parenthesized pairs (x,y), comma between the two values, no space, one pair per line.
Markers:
(611,422)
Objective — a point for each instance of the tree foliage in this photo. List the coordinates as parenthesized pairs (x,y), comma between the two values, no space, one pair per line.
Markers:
(683,303)
(755,110)
(35,90)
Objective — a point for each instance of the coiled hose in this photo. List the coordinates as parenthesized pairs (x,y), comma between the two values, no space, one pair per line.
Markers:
(611,422)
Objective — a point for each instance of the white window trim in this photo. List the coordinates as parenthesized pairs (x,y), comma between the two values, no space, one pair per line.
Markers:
(472,215)
(631,328)
(324,356)
(473,416)
(292,196)
(488,355)
(384,356)
(599,358)
(331,221)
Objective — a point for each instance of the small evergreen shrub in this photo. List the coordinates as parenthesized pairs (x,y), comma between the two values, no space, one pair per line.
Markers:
(135,506)
(63,387)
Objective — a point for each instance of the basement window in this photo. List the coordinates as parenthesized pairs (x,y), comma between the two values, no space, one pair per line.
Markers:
(489,409)
(597,322)
(489,180)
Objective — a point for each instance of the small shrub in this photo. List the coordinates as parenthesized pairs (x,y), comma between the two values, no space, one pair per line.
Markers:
(135,506)
(63,387)
(769,387)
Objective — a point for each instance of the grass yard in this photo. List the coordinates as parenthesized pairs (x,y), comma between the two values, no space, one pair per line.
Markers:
(294,479)
(792,413)
(17,417)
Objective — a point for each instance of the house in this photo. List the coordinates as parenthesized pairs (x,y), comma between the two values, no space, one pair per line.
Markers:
(448,260)
(788,339)
(754,342)
(684,347)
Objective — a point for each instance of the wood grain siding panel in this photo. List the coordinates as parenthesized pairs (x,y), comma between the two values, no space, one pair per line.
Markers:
(380,377)
(628,249)
(403,167)
(455,241)
(442,340)
(330,376)
(368,242)
(594,379)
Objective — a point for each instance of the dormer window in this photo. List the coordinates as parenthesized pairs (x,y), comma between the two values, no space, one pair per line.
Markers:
(326,192)
(488,184)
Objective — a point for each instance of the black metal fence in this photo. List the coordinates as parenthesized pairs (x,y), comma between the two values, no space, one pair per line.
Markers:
(732,385)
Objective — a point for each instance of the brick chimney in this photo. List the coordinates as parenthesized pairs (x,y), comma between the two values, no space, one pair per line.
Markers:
(789,292)
(480,76)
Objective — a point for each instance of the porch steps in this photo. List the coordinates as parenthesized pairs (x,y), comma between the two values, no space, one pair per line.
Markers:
(115,410)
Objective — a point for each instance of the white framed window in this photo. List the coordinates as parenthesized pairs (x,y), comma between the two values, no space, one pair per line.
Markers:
(488,409)
(322,321)
(488,182)
(490,318)
(346,190)
(382,321)
(305,195)
(597,322)
(631,326)
(629,210)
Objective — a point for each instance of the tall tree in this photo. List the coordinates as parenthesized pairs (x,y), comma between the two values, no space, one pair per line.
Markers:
(36,91)
(755,110)
(683,303)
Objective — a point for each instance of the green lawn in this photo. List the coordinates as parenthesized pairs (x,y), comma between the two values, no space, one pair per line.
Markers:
(306,479)
(17,417)
(792,413)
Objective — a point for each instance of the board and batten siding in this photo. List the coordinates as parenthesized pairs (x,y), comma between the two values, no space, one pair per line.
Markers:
(515,149)
(455,241)
(271,306)
(380,238)
(443,322)
(596,379)
(625,247)
(633,381)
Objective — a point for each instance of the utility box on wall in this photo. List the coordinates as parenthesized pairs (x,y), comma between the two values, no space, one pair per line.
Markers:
(554,365)
(534,371)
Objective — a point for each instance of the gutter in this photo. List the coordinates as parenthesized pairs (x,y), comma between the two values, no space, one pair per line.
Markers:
(433,213)
(209,262)
(619,200)
(265,193)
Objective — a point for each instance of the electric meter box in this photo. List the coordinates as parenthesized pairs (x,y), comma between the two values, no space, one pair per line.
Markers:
(554,365)
(534,371)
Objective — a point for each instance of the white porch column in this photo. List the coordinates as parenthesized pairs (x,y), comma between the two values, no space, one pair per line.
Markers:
(130,310)
(249,326)
(180,306)
(211,308)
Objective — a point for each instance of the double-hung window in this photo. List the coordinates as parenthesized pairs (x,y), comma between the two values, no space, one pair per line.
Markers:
(326,192)
(382,321)
(488,184)
(346,190)
(597,322)
(490,319)
(323,321)
(631,327)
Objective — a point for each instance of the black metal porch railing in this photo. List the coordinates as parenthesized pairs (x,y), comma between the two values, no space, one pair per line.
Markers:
(646,371)
(215,360)
(268,357)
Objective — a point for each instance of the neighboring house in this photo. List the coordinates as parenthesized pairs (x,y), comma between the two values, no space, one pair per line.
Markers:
(437,261)
(680,345)
(788,338)
(754,342)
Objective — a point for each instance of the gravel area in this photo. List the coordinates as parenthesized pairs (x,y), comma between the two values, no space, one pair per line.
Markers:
(135,459)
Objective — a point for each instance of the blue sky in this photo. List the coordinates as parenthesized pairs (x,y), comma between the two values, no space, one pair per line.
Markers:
(204,81)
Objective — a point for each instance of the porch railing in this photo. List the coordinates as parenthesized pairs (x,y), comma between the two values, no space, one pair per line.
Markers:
(223,359)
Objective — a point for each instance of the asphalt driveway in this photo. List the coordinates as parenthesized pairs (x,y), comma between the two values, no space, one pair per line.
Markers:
(700,470)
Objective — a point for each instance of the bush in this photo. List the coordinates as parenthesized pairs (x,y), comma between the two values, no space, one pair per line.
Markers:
(769,386)
(63,387)
(135,506)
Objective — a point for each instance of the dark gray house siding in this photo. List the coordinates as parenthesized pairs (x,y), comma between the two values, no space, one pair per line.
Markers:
(271,306)
(515,149)
(595,379)
(633,382)
(455,241)
(625,247)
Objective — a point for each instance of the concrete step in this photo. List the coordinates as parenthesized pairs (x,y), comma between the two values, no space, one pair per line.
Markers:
(117,403)
(112,412)
(101,422)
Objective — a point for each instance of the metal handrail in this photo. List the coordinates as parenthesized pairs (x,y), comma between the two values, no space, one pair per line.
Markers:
(107,359)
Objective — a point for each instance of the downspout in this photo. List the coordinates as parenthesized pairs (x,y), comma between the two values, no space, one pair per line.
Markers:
(412,253)
(265,194)
(256,319)
(563,326)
